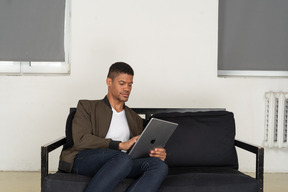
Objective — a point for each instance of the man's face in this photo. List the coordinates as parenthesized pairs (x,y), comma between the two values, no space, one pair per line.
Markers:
(120,87)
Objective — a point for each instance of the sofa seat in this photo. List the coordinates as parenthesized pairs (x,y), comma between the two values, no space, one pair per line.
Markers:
(208,180)
(65,182)
(205,179)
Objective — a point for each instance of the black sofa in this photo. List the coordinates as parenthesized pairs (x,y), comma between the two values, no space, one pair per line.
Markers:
(201,155)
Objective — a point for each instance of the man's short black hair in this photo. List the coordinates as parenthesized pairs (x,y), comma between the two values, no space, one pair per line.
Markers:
(120,67)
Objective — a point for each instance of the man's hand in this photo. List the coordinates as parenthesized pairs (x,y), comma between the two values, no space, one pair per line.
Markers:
(158,152)
(128,144)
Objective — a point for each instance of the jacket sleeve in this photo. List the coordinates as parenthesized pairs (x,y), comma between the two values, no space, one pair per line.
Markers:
(82,130)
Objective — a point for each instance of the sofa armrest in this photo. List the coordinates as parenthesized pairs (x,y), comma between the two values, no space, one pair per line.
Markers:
(259,152)
(45,150)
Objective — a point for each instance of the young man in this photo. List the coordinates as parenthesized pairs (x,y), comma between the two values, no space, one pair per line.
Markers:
(102,130)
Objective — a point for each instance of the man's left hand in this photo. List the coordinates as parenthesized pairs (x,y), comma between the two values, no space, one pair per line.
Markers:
(158,152)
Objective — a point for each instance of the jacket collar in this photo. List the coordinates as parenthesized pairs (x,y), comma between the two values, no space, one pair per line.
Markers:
(106,101)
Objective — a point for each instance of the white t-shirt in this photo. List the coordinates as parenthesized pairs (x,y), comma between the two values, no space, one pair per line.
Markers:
(119,129)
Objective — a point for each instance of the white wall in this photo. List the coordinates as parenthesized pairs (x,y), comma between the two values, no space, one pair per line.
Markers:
(172,46)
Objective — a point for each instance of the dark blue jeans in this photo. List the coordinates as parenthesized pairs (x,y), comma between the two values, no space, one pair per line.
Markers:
(108,167)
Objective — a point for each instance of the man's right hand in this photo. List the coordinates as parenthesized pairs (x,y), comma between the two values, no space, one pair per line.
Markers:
(128,144)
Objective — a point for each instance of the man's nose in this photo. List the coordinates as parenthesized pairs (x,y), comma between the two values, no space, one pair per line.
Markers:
(127,87)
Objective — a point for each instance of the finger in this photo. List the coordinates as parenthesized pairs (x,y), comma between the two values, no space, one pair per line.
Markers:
(160,149)
(134,139)
(159,154)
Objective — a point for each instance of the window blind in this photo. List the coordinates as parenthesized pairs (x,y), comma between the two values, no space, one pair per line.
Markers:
(32,30)
(253,35)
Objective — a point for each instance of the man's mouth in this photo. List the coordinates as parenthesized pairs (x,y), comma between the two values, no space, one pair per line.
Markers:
(125,94)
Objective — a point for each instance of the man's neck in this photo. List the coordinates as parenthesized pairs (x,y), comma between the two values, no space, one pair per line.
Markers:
(117,105)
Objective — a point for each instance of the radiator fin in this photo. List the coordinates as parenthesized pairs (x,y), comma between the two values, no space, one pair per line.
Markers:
(276,119)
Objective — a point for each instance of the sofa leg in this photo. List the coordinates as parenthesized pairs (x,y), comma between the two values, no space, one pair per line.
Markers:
(44,164)
(260,168)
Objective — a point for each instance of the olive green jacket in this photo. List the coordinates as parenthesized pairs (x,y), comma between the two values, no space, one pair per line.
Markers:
(90,126)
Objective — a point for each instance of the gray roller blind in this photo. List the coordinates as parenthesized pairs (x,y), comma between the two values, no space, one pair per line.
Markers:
(253,35)
(32,30)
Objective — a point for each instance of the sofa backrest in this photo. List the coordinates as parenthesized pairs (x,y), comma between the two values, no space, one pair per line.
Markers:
(68,129)
(202,139)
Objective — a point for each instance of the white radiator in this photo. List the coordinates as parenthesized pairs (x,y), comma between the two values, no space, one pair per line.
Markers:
(276,119)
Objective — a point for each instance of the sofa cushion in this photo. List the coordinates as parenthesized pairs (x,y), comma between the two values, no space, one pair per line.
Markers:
(201,139)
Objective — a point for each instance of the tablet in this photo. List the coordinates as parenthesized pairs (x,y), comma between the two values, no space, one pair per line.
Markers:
(156,134)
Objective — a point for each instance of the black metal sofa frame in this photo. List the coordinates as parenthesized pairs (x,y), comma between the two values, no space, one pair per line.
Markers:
(148,112)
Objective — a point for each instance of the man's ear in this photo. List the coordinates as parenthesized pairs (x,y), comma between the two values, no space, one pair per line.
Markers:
(109,81)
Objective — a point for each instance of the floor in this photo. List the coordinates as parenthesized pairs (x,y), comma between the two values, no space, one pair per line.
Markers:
(30,182)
